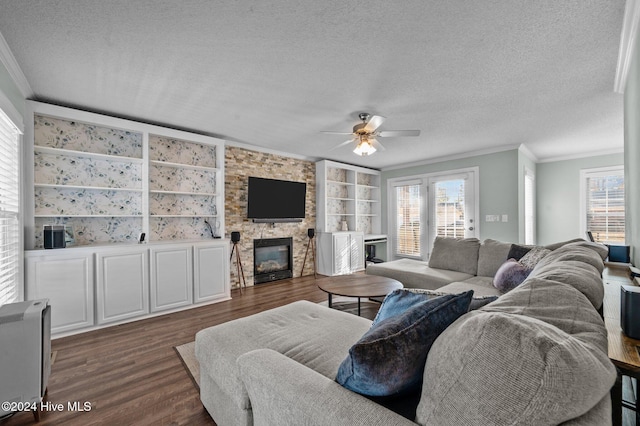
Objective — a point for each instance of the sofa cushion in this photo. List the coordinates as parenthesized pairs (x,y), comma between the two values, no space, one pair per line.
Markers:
(497,368)
(313,335)
(581,276)
(455,254)
(557,245)
(582,251)
(416,273)
(389,359)
(491,255)
(510,275)
(552,364)
(481,286)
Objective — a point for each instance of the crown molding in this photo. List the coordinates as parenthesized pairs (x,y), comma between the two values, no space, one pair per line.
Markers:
(453,157)
(627,43)
(582,155)
(527,152)
(257,148)
(10,63)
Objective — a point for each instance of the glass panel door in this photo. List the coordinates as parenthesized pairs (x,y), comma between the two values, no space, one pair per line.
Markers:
(452,206)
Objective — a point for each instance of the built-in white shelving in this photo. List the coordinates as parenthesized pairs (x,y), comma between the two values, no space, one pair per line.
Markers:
(111,179)
(350,193)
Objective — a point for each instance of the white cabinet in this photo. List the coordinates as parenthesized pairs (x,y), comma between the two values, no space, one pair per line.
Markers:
(211,272)
(93,286)
(340,253)
(122,284)
(66,279)
(171,277)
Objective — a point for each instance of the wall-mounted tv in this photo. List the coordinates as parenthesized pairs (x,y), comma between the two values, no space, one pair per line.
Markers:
(272,200)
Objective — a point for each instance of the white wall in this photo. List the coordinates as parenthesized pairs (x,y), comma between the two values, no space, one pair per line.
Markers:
(498,174)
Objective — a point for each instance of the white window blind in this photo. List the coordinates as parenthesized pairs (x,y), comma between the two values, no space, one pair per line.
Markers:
(604,204)
(529,207)
(9,211)
(449,218)
(408,220)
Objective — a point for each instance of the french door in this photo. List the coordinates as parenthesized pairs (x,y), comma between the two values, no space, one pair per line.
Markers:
(428,206)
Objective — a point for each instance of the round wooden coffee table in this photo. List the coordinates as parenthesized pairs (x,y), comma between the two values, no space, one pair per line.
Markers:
(358,285)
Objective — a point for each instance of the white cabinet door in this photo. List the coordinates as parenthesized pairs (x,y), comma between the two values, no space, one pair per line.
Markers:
(357,251)
(171,277)
(341,253)
(122,284)
(211,272)
(67,281)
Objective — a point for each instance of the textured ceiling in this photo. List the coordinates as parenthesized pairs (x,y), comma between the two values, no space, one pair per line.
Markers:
(471,75)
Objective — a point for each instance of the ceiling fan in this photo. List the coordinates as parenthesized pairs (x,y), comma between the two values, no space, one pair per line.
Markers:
(365,134)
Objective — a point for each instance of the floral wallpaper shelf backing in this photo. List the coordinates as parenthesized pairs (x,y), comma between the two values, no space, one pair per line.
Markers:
(88,177)
(111,179)
(182,189)
(348,193)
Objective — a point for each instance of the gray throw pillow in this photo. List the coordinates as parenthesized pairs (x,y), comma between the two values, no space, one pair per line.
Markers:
(535,255)
(455,254)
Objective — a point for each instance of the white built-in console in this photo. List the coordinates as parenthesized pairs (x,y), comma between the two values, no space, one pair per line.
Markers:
(107,180)
(93,286)
(348,213)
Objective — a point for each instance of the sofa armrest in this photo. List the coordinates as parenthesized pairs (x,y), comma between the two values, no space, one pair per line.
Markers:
(285,392)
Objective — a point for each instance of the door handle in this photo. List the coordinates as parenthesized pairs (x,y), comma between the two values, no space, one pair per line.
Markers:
(471,228)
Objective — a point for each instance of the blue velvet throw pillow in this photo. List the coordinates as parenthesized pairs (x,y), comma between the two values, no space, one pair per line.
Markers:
(398,302)
(389,359)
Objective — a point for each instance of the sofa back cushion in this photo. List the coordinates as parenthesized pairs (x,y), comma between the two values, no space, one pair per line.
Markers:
(537,355)
(455,254)
(580,251)
(491,255)
(581,276)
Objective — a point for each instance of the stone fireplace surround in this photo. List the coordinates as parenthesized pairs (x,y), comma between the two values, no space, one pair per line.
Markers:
(240,163)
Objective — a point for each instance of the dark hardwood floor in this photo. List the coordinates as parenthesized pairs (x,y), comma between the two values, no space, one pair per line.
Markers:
(131,375)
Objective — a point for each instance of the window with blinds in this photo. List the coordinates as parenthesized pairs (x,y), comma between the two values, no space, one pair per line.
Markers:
(408,220)
(604,212)
(9,211)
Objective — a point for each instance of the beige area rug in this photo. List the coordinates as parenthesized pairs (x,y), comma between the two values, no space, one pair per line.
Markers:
(187,355)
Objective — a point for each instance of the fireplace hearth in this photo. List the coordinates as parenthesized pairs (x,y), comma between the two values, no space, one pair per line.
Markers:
(272,259)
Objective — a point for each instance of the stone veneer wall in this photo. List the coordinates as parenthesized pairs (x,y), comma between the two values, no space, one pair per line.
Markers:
(241,163)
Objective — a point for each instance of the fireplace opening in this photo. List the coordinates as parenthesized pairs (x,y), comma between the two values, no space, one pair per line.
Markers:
(272,259)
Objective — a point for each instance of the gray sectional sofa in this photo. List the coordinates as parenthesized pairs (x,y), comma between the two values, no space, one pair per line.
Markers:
(535,356)
(452,260)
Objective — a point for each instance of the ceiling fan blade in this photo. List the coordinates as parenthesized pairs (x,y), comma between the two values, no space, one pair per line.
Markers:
(392,133)
(342,144)
(335,133)
(374,122)
(377,145)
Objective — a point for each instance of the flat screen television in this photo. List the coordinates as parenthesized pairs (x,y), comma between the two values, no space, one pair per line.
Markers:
(272,199)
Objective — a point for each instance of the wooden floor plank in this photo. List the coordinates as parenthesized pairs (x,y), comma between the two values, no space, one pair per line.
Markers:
(131,374)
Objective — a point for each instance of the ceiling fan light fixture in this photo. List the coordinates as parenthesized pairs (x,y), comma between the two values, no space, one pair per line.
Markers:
(364,147)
